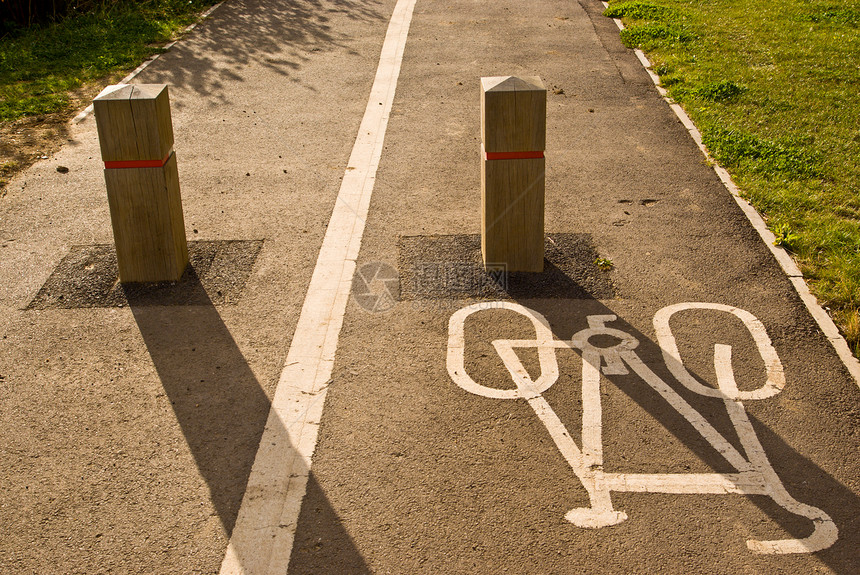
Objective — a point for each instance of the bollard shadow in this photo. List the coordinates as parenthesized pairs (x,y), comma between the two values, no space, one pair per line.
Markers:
(278,35)
(218,401)
(322,545)
(802,478)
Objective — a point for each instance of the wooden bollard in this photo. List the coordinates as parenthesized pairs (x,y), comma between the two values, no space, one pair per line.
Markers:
(136,139)
(513,134)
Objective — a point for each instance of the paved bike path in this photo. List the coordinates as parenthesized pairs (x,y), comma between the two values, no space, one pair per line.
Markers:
(131,426)
(415,474)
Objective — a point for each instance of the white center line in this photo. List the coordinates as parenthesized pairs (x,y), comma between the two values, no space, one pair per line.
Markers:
(262,538)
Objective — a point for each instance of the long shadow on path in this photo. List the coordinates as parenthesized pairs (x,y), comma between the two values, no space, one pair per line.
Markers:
(218,401)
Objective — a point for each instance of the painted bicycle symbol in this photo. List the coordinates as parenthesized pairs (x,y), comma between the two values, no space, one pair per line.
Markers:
(754,473)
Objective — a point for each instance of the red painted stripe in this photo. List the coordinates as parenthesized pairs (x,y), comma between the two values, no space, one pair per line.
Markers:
(138,163)
(513,155)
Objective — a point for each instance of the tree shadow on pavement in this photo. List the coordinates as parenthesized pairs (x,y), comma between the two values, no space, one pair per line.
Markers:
(279,35)
(219,403)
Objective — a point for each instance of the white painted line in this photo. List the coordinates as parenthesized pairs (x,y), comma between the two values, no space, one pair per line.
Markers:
(689,483)
(88,110)
(789,266)
(755,475)
(263,536)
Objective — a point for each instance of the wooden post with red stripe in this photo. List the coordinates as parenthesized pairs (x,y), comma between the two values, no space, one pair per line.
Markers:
(513,134)
(136,139)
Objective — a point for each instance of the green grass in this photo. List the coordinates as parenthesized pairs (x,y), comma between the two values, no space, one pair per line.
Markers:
(604,264)
(774,87)
(39,66)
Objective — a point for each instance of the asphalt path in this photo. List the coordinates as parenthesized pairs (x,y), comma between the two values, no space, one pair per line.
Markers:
(681,412)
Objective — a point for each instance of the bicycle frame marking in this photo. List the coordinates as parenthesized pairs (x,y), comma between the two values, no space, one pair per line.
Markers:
(754,473)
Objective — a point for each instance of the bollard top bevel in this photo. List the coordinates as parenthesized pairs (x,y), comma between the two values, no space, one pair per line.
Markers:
(513,114)
(133,122)
(512,84)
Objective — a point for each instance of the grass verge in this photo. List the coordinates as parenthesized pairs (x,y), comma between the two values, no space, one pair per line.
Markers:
(40,66)
(48,72)
(773,88)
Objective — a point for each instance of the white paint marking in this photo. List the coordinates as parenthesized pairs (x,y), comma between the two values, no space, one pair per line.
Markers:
(755,475)
(825,533)
(263,536)
(775,376)
(788,265)
(688,483)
